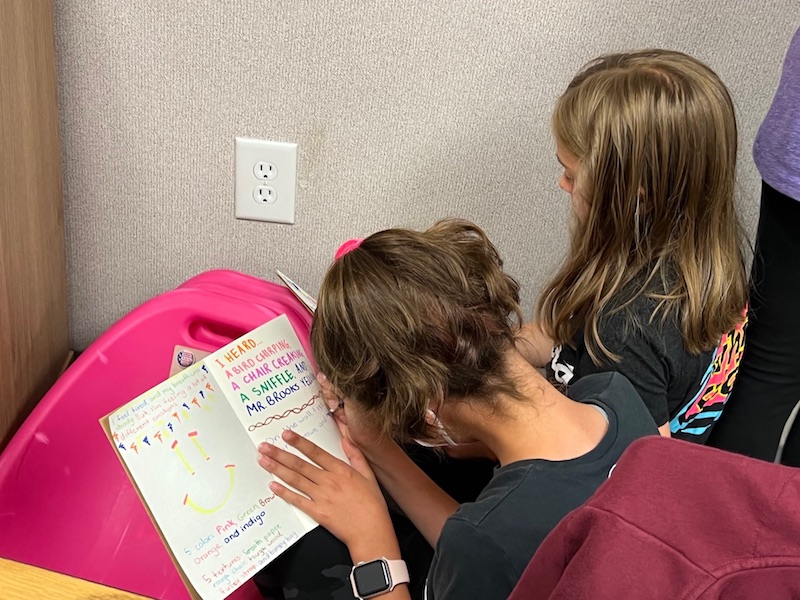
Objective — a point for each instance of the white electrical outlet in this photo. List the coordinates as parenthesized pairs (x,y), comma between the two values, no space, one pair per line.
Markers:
(265,170)
(265,180)
(264,194)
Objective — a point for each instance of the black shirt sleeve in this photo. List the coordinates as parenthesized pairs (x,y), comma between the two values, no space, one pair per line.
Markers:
(469,566)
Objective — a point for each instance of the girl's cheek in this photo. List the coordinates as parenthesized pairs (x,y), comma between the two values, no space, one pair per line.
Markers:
(579,206)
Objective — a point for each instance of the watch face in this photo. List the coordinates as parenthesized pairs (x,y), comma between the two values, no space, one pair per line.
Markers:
(371,578)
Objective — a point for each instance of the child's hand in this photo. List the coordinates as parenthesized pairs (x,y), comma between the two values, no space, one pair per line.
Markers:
(344,499)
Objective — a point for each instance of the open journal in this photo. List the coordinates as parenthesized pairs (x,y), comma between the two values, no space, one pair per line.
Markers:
(189,447)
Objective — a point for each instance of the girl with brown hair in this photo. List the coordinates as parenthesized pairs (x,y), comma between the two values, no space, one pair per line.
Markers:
(417,332)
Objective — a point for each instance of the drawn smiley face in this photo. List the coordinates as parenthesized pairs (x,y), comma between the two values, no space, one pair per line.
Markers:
(187,500)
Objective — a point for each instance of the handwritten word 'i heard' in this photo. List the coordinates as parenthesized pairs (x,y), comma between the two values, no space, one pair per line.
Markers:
(237,352)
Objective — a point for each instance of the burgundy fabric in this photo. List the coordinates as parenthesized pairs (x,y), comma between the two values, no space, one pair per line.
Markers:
(676,520)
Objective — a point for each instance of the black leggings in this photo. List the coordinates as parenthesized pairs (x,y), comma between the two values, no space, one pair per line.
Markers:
(767,387)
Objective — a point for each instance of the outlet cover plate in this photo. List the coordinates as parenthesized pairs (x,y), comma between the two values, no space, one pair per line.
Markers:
(249,187)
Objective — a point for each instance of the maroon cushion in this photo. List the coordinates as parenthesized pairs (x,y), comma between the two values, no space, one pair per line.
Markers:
(676,520)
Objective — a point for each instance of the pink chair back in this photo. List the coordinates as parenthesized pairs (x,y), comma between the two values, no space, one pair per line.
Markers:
(65,501)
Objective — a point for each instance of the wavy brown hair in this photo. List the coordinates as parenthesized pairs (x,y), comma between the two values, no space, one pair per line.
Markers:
(654,132)
(410,319)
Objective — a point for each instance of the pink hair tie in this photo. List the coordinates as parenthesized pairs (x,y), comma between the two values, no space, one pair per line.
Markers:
(347,247)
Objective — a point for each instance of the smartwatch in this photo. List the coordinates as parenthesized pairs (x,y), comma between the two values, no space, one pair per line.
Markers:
(376,577)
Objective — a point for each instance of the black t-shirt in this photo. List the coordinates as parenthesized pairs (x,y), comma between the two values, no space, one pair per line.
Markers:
(485,545)
(675,385)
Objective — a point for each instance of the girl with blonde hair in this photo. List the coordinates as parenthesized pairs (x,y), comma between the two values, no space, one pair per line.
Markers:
(654,284)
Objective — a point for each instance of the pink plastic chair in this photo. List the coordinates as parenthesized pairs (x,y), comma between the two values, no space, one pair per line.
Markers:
(234,281)
(65,501)
(249,288)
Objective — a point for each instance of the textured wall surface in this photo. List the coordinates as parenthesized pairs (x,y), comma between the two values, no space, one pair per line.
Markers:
(404,112)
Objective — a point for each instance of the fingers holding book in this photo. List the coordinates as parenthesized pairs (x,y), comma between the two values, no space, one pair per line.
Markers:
(328,489)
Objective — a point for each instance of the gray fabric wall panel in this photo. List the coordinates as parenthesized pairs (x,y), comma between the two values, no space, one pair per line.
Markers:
(404,112)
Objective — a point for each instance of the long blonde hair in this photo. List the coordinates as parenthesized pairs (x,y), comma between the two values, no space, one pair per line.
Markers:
(654,132)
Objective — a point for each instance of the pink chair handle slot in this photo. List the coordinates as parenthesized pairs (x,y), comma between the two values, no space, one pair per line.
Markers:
(213,334)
